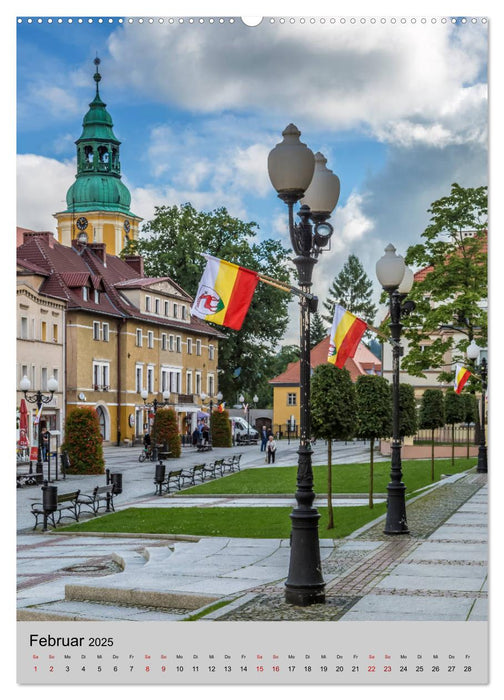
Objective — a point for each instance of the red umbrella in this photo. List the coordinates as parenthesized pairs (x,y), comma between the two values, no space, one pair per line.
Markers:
(23,424)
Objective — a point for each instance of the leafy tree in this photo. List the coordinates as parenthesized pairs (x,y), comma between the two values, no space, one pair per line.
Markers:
(450,295)
(374,415)
(352,289)
(172,245)
(165,431)
(220,425)
(454,413)
(318,331)
(333,414)
(83,442)
(408,415)
(432,416)
(470,413)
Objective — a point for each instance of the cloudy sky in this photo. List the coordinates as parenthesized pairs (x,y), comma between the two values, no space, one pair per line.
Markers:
(399,109)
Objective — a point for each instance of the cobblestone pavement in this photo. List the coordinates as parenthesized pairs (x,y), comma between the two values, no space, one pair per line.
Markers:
(356,567)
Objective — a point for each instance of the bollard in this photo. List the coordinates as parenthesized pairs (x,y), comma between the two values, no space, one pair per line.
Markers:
(160,475)
(49,501)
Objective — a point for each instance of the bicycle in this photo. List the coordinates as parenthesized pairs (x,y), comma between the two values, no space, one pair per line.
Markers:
(146,453)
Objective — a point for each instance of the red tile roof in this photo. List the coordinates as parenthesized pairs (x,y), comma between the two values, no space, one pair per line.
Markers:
(363,362)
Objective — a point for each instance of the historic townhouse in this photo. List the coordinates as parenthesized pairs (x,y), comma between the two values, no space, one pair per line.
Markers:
(125,332)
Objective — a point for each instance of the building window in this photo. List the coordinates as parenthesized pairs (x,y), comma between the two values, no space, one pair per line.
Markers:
(210,381)
(43,378)
(188,382)
(43,331)
(198,383)
(96,330)
(105,332)
(291,399)
(165,380)
(156,306)
(179,344)
(150,379)
(147,303)
(85,293)
(55,332)
(96,296)
(24,328)
(184,313)
(175,310)
(138,379)
(150,339)
(198,347)
(101,376)
(211,352)
(170,343)
(139,337)
(189,348)
(164,341)
(166,308)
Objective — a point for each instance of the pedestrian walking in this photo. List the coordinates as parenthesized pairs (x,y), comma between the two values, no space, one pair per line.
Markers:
(271,449)
(45,436)
(264,438)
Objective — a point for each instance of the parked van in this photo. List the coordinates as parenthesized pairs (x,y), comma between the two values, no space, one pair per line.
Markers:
(241,430)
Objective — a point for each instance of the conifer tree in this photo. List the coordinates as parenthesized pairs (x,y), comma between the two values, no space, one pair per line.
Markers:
(352,289)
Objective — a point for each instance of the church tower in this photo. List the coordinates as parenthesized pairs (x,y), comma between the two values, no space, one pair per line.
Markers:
(98,202)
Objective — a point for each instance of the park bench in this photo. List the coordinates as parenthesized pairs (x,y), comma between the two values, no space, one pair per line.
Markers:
(101,497)
(64,502)
(191,473)
(26,480)
(233,463)
(213,467)
(203,448)
(173,477)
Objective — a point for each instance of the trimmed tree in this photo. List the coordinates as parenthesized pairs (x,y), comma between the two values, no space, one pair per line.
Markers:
(220,425)
(333,414)
(374,415)
(318,331)
(432,416)
(454,413)
(470,414)
(83,442)
(408,414)
(165,431)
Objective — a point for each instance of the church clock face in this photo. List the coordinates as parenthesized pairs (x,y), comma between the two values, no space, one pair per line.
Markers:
(127,226)
(82,223)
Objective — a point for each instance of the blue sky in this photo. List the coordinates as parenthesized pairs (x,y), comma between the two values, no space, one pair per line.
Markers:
(398,108)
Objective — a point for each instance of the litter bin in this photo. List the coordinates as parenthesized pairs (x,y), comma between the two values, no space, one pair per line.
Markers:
(159,475)
(49,501)
(116,481)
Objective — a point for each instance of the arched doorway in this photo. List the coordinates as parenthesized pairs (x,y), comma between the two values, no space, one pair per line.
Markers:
(103,420)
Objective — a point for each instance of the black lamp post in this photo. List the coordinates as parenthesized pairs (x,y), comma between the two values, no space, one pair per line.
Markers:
(397,280)
(473,352)
(203,398)
(155,404)
(39,399)
(254,401)
(297,174)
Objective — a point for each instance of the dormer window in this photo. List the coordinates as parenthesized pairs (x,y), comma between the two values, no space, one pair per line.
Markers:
(96,296)
(85,293)
(175,310)
(184,313)
(147,303)
(156,306)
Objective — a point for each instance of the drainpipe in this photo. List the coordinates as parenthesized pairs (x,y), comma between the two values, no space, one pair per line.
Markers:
(119,381)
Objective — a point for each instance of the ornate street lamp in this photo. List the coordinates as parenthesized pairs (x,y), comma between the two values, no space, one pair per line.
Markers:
(473,352)
(396,279)
(155,404)
(203,398)
(297,174)
(241,399)
(38,398)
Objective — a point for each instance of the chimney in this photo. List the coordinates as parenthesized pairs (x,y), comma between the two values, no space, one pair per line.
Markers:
(45,236)
(100,250)
(136,262)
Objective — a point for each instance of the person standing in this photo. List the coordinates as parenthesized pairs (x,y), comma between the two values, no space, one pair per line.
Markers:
(271,449)
(44,439)
(264,438)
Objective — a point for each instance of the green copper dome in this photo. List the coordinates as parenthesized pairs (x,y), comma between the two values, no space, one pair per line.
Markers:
(98,183)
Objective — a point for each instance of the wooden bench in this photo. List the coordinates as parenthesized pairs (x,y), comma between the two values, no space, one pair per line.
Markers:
(173,477)
(26,480)
(213,467)
(191,473)
(102,497)
(203,448)
(64,502)
(233,463)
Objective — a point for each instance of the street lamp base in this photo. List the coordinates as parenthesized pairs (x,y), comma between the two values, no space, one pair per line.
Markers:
(304,596)
(482,467)
(396,522)
(305,585)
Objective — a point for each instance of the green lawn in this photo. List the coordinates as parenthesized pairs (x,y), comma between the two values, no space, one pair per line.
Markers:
(260,522)
(347,478)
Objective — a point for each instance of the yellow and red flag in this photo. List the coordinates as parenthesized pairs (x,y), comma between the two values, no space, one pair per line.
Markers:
(346,332)
(224,293)
(461,376)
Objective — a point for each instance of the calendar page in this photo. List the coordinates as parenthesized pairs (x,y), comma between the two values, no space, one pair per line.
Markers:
(252,350)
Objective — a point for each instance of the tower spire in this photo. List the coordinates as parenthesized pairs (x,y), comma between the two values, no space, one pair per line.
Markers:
(97,76)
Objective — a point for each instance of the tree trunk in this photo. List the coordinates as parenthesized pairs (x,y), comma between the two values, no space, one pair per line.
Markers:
(371,474)
(432,456)
(330,515)
(453,444)
(468,429)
